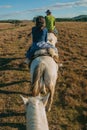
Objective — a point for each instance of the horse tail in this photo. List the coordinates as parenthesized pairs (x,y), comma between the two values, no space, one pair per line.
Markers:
(38,73)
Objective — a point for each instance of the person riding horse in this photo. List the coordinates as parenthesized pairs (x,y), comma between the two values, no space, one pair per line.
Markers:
(42,66)
(39,38)
(50,22)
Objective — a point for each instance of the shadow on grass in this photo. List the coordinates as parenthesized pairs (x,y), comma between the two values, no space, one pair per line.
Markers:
(10,114)
(5,61)
(82,117)
(13,83)
(13,92)
(20,126)
(4,64)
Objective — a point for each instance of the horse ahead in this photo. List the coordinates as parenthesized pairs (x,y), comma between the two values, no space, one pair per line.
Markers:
(43,72)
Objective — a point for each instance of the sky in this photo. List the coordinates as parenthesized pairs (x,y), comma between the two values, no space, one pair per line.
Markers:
(28,9)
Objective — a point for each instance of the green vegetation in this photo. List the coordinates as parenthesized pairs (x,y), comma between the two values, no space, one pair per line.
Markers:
(11,21)
(82,18)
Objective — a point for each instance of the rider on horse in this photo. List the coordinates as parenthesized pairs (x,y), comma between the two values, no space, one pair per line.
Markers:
(50,22)
(39,38)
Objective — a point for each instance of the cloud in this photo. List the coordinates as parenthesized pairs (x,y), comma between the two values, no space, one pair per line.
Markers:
(22,12)
(6,6)
(69,4)
(56,6)
(18,13)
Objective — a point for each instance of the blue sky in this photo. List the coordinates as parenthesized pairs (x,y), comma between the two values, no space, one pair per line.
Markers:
(27,9)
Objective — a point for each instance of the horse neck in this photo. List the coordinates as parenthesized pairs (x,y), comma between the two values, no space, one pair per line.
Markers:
(52,39)
(36,119)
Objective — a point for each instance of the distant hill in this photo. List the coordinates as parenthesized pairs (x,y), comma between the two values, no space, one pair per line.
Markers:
(13,21)
(82,18)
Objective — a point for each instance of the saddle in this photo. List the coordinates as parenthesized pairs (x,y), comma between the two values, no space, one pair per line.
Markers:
(46,52)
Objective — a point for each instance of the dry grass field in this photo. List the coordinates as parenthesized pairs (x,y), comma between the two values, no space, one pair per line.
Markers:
(69,109)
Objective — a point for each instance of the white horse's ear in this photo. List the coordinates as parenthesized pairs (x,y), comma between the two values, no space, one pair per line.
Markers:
(45,99)
(25,100)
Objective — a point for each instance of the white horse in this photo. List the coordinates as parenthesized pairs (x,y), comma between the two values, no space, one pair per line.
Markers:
(43,70)
(35,113)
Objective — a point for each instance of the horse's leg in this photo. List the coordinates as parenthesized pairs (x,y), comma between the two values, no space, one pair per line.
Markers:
(36,78)
(36,88)
(51,89)
(43,89)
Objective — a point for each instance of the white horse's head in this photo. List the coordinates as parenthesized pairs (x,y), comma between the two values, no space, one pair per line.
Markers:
(52,39)
(35,100)
(35,113)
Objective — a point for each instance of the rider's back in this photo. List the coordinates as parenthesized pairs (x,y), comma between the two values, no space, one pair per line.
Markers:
(50,20)
(39,35)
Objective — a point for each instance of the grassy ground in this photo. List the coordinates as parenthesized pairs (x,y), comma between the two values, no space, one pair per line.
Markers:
(69,109)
